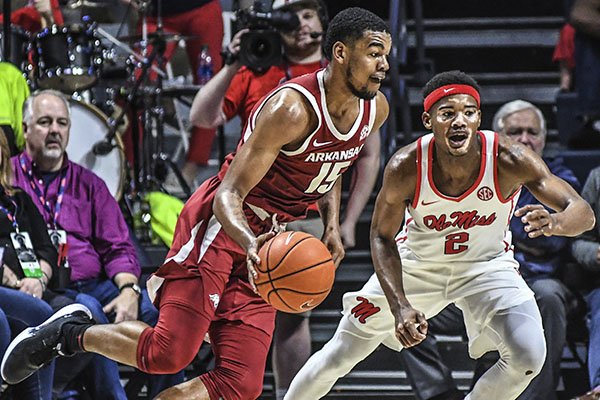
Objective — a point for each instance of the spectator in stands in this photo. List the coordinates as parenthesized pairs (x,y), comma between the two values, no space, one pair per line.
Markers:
(564,55)
(91,233)
(22,288)
(234,91)
(13,92)
(585,18)
(586,250)
(540,261)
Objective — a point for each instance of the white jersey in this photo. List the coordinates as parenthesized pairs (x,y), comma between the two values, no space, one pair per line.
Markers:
(469,228)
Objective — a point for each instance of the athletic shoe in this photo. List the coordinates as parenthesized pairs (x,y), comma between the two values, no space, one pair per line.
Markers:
(37,346)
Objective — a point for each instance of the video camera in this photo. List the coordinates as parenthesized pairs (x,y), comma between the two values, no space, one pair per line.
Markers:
(262,46)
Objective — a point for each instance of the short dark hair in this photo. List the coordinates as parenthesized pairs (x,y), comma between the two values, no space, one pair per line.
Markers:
(349,25)
(449,78)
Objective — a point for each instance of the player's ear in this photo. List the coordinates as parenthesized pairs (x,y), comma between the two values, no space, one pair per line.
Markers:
(339,52)
(426,119)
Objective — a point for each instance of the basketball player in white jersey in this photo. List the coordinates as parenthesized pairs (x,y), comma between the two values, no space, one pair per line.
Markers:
(456,190)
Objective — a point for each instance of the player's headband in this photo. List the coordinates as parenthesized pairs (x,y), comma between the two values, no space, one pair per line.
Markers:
(449,90)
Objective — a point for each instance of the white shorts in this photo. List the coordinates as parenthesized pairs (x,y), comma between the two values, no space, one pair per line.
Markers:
(479,289)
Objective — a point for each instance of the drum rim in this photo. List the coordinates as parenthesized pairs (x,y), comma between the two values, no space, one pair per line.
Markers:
(64,29)
(120,147)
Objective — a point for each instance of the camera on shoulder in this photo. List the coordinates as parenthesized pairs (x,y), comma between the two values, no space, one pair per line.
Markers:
(262,47)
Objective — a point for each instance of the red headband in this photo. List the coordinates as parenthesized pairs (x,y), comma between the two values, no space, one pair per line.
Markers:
(449,90)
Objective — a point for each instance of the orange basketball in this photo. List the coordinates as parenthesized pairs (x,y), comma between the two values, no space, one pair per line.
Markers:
(296,272)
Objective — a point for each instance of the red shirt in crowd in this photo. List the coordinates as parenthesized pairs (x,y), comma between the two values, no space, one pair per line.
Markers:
(30,19)
(248,87)
(565,47)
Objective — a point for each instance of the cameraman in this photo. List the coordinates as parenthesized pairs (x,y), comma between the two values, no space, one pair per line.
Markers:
(235,90)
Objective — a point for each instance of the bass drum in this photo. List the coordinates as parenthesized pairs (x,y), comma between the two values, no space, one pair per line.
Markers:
(89,126)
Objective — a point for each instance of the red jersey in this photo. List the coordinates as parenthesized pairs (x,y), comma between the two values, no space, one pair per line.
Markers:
(247,87)
(299,178)
(29,18)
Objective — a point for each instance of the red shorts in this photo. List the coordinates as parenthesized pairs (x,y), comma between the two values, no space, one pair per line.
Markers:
(201,248)
(203,287)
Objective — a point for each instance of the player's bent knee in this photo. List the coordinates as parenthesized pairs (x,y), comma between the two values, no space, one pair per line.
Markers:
(530,359)
(166,351)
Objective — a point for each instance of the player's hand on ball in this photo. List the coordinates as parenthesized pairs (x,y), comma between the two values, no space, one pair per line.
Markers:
(333,241)
(252,257)
(538,221)
(411,327)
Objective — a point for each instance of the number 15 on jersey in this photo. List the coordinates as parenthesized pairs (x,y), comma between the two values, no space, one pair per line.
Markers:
(328,175)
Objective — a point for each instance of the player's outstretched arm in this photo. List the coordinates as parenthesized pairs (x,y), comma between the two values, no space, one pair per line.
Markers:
(572,216)
(283,123)
(399,182)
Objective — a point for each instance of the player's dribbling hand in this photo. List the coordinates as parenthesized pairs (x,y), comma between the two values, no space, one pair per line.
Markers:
(252,257)
(411,327)
(538,221)
(333,241)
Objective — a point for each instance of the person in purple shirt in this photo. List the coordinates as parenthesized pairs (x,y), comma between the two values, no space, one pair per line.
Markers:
(88,229)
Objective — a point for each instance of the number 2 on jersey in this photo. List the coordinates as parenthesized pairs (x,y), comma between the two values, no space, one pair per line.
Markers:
(324,181)
(454,242)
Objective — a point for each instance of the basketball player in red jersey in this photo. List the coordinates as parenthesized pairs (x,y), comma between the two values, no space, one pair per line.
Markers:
(456,190)
(234,91)
(296,144)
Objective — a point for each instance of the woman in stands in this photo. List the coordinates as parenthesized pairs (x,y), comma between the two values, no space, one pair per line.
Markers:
(23,282)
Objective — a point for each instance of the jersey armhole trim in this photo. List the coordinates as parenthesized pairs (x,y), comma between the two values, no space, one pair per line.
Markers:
(415,201)
(372,113)
(315,106)
(496,181)
(311,99)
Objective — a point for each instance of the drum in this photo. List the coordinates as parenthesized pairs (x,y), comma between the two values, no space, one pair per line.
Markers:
(19,47)
(67,58)
(88,127)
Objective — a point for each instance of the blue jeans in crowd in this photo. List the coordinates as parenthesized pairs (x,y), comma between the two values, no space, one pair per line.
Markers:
(105,372)
(18,311)
(593,301)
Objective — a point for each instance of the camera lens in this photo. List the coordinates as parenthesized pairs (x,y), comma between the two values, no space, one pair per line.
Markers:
(260,49)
